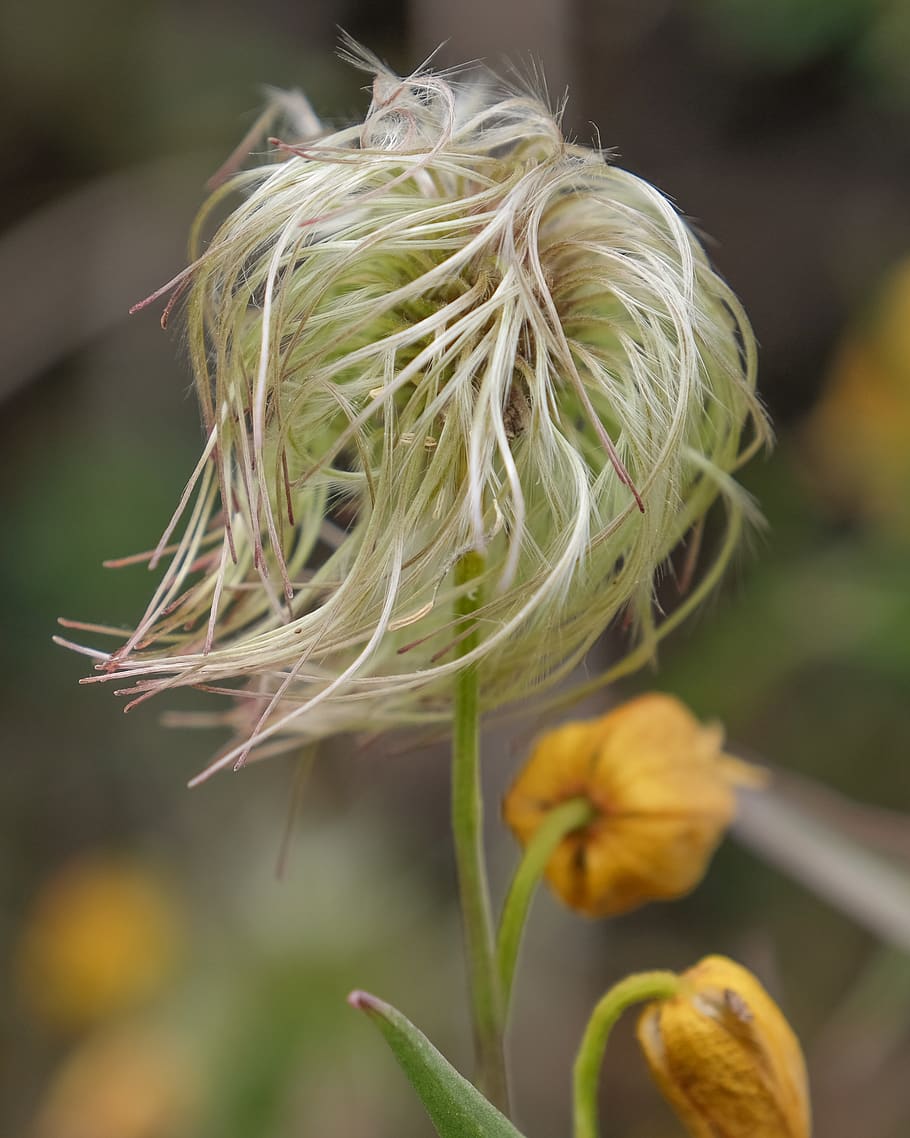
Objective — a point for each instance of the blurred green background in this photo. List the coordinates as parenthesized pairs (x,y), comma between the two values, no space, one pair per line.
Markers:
(162,980)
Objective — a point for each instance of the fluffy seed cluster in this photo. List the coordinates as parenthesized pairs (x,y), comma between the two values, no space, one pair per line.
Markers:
(443,330)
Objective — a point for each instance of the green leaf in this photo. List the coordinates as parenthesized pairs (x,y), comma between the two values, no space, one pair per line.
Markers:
(457,1108)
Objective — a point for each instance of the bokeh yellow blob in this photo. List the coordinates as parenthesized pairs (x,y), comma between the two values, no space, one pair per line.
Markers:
(100,937)
(123,1083)
(859,433)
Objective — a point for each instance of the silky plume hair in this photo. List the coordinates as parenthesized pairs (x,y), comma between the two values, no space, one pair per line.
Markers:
(441,331)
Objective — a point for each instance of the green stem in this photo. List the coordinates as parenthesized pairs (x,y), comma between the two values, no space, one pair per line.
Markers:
(586,1074)
(467,829)
(562,820)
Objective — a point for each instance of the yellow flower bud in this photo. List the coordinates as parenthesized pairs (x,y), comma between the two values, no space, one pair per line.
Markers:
(662,791)
(725,1058)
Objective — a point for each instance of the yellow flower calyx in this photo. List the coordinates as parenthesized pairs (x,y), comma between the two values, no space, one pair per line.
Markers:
(662,791)
(725,1058)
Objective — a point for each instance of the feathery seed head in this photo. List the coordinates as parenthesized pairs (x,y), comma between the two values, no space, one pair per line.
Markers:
(445,329)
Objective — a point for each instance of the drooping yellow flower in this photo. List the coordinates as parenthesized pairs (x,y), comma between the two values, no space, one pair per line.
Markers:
(663,794)
(100,937)
(725,1058)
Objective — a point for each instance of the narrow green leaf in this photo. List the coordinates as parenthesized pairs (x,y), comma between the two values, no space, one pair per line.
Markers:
(457,1108)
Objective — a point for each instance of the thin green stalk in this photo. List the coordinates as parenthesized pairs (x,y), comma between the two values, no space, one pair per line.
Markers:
(562,820)
(467,829)
(586,1075)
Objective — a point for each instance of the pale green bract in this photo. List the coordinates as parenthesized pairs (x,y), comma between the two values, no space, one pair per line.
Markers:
(445,329)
